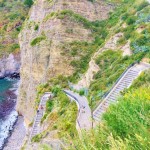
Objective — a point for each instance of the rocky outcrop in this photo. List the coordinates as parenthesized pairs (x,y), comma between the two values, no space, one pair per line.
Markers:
(10,65)
(41,42)
(111,43)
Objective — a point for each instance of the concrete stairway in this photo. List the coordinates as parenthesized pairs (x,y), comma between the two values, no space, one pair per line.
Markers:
(39,115)
(124,82)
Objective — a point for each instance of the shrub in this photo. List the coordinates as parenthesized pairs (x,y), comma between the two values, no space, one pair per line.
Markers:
(28,2)
(81,92)
(49,106)
(36,27)
(131,20)
(37,40)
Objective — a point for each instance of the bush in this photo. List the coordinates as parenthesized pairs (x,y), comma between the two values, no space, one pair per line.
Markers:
(28,2)
(131,20)
(49,106)
(81,92)
(36,27)
(37,40)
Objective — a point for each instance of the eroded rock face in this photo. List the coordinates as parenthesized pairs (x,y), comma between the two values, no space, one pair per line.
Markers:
(44,60)
(9,65)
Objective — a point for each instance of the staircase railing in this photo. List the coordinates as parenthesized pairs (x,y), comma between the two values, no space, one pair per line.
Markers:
(106,94)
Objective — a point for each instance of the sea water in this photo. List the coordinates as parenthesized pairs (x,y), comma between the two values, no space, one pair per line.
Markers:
(8,114)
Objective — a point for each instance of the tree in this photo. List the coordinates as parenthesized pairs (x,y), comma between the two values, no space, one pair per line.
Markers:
(28,2)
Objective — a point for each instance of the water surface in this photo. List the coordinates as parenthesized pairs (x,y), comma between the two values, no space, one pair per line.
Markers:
(8,114)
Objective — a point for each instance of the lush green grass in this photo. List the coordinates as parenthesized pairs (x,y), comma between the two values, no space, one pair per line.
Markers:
(112,64)
(125,125)
(143,79)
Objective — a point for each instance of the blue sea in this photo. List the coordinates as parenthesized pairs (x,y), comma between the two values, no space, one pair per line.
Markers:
(8,114)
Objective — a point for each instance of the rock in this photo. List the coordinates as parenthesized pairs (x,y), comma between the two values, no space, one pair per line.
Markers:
(10,66)
(44,60)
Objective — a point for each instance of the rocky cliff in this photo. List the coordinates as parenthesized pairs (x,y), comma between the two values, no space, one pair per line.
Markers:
(9,65)
(44,34)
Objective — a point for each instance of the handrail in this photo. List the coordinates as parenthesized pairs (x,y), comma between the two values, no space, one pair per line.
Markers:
(34,122)
(78,105)
(106,94)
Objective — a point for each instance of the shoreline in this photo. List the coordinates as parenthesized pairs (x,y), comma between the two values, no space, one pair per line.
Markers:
(12,120)
(17,136)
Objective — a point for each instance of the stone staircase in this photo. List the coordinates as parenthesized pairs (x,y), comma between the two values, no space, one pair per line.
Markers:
(123,82)
(39,115)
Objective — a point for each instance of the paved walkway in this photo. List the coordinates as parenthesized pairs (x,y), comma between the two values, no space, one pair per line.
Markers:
(124,82)
(39,115)
(84,120)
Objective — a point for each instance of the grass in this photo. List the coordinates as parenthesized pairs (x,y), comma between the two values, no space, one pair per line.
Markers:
(12,16)
(37,40)
(125,125)
(112,64)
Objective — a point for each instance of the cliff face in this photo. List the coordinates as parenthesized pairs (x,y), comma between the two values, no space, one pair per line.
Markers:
(41,42)
(9,65)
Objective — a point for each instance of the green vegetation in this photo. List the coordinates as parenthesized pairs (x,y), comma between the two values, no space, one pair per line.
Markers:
(112,65)
(61,113)
(37,40)
(125,125)
(28,2)
(12,16)
(80,52)
(36,27)
(144,79)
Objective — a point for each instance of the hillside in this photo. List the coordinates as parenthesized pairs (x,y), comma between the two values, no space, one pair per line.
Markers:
(12,15)
(45,39)
(85,46)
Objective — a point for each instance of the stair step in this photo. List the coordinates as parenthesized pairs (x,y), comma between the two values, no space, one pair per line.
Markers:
(113,95)
(112,100)
(97,115)
(100,110)
(132,73)
(96,118)
(120,85)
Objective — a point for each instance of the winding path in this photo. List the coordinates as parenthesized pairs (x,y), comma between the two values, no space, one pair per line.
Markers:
(84,120)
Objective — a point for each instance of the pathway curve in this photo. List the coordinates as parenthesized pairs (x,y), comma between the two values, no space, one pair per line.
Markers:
(124,82)
(84,120)
(39,115)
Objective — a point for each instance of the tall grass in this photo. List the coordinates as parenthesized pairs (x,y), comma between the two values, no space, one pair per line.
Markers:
(125,125)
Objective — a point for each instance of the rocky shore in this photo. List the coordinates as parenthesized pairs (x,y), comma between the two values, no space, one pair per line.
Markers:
(8,115)
(15,141)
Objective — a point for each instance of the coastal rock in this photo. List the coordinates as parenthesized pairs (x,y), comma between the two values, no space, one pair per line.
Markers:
(10,65)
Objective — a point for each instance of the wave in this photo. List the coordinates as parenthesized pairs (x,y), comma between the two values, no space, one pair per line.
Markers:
(6,126)
(8,114)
